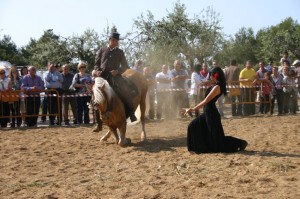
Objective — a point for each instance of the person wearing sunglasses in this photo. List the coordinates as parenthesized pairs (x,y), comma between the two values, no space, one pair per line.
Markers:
(82,82)
(4,106)
(14,105)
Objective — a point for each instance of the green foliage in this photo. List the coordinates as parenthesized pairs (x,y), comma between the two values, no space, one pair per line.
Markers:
(242,47)
(49,47)
(274,40)
(9,51)
(177,37)
(84,47)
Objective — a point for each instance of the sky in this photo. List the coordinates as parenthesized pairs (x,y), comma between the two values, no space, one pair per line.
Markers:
(25,19)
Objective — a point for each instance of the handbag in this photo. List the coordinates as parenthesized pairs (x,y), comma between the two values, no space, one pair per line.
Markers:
(72,88)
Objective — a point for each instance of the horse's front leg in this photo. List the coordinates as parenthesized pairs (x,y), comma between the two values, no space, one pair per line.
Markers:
(108,134)
(114,130)
(143,110)
(122,129)
(105,137)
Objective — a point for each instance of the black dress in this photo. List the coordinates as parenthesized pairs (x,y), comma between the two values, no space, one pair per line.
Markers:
(206,135)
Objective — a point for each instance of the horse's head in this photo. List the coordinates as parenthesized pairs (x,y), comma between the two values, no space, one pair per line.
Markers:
(102,93)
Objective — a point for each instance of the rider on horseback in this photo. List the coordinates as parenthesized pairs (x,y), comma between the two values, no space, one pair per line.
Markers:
(110,63)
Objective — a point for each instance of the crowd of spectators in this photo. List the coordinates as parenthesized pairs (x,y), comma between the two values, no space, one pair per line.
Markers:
(168,91)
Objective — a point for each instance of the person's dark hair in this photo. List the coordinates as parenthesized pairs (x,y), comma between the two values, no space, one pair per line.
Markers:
(220,77)
(22,70)
(197,68)
(233,62)
(286,61)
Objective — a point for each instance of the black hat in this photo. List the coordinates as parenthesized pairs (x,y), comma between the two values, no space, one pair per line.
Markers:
(114,35)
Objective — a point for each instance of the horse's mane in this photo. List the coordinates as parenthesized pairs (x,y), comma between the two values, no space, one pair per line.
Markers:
(101,83)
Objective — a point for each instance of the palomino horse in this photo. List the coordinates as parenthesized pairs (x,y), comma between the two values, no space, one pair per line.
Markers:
(112,108)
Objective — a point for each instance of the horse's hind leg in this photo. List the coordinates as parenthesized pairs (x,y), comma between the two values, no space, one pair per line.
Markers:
(122,129)
(143,110)
(108,134)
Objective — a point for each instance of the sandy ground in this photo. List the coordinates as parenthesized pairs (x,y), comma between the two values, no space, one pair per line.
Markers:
(70,162)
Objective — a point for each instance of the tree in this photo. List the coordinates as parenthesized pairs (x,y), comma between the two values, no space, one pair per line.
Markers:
(177,36)
(242,47)
(9,51)
(84,47)
(48,47)
(276,39)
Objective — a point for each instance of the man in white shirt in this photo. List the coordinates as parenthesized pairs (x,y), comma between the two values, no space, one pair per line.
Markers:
(163,79)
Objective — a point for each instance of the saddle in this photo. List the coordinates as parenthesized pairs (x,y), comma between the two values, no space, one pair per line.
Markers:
(126,90)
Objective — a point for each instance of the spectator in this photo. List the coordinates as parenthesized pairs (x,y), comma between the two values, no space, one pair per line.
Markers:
(260,73)
(266,91)
(247,79)
(284,63)
(269,67)
(232,77)
(68,96)
(14,106)
(277,91)
(195,82)
(179,95)
(4,86)
(82,83)
(24,71)
(290,91)
(151,91)
(138,66)
(285,57)
(296,64)
(53,80)
(204,77)
(32,83)
(163,79)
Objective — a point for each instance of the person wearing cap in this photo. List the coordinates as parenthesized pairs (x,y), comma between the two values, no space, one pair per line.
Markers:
(110,63)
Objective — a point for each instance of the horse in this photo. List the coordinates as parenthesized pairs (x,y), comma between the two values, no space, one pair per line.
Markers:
(112,109)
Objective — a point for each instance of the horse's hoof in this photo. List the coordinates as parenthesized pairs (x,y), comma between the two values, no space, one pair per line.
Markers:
(123,144)
(104,138)
(143,138)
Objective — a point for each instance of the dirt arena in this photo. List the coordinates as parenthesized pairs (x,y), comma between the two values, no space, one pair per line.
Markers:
(70,162)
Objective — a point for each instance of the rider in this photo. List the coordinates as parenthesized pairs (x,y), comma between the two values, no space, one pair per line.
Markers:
(110,63)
